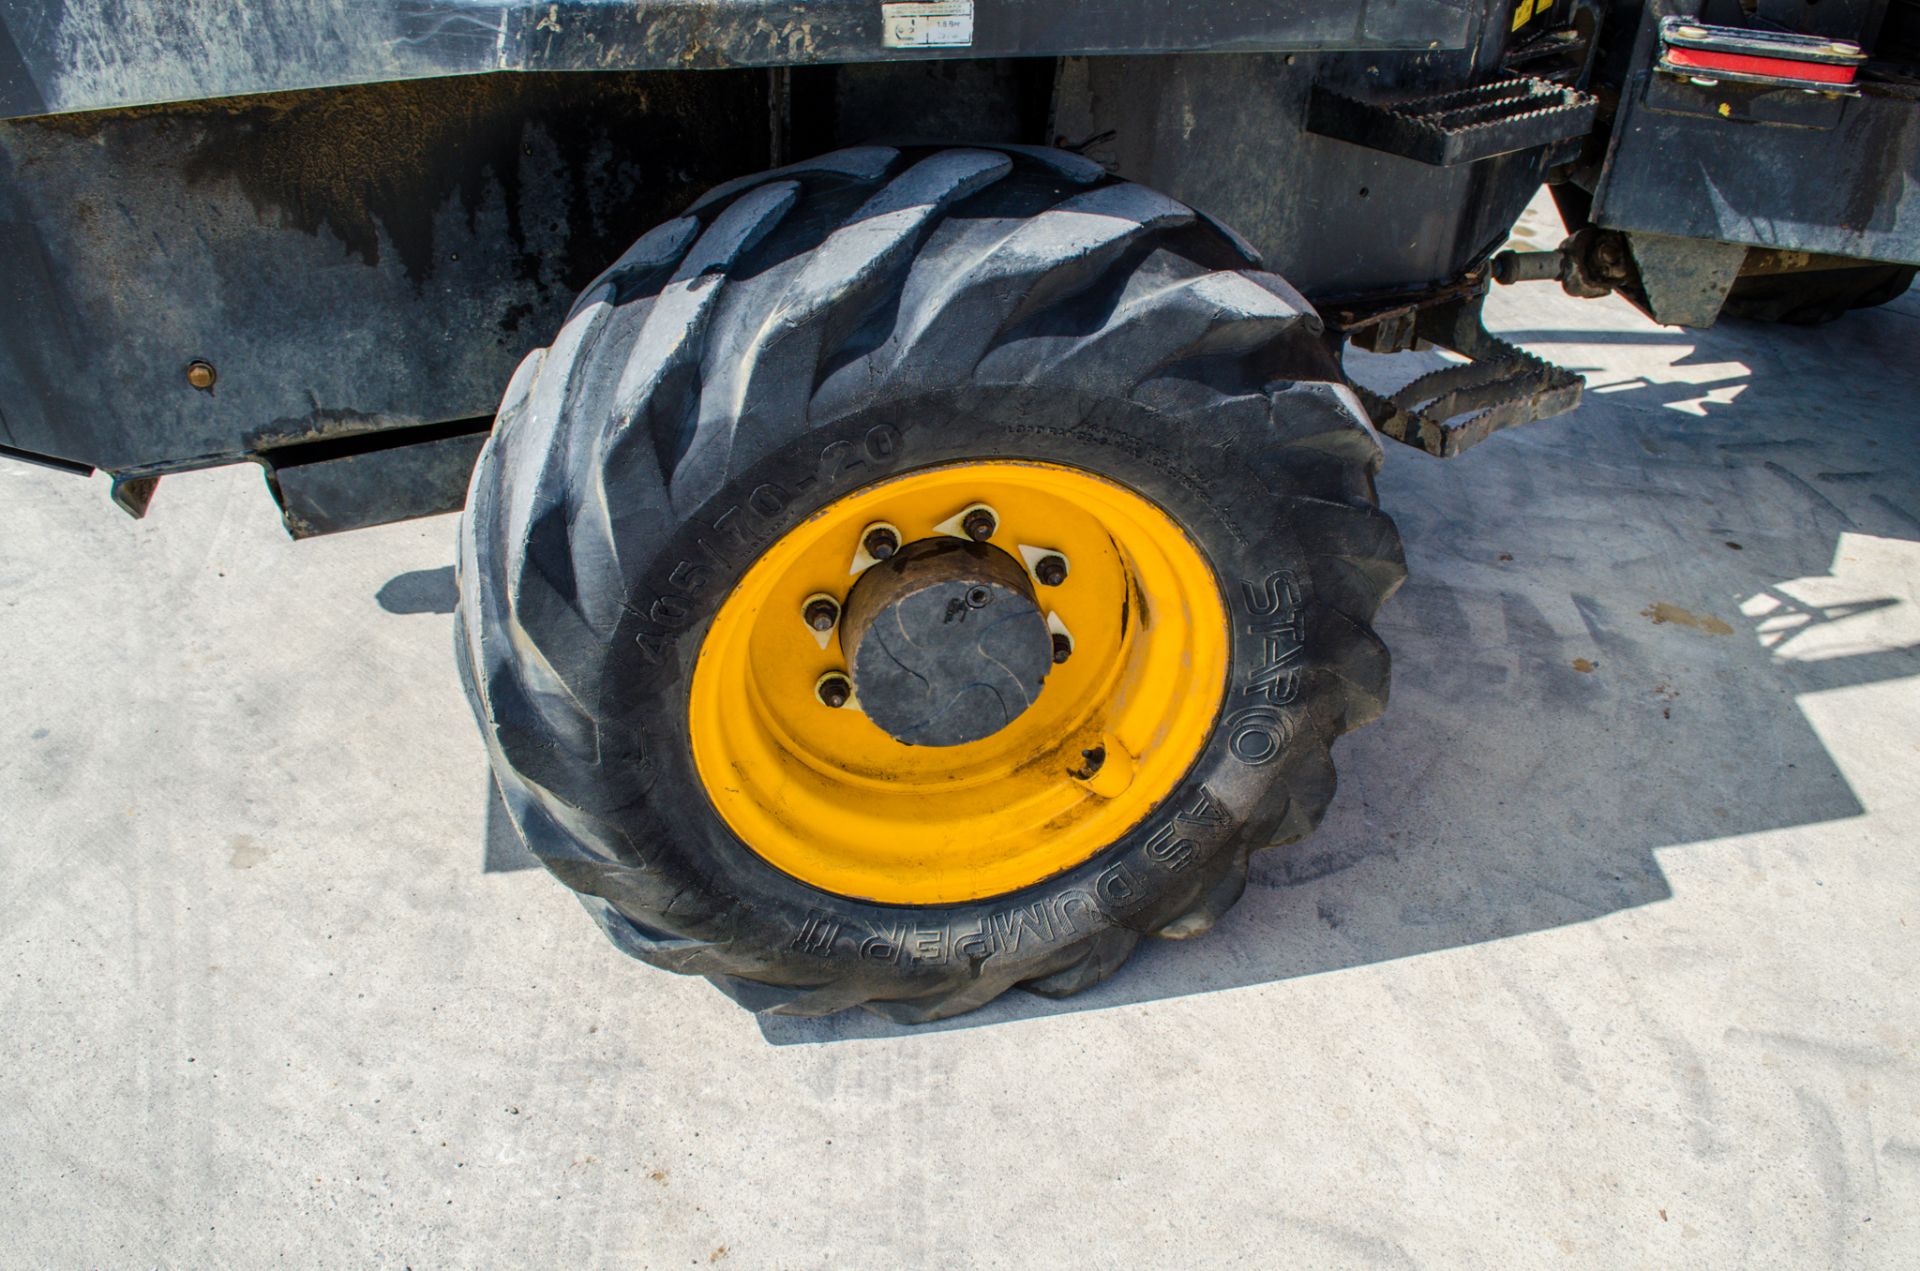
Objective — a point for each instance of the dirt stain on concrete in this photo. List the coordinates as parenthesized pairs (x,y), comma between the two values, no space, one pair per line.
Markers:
(1662,613)
(247,851)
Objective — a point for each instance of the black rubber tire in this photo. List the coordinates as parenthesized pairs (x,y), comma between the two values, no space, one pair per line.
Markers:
(801,333)
(1816,296)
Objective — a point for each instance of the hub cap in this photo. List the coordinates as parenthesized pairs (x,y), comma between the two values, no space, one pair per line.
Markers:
(946,641)
(1018,702)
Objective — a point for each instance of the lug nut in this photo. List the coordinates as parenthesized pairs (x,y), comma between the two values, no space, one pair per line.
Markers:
(201,375)
(979,525)
(881,542)
(833,690)
(1050,570)
(821,613)
(979,598)
(1096,760)
(1062,648)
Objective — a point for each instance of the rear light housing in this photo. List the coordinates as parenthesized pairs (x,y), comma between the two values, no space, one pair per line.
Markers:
(1699,51)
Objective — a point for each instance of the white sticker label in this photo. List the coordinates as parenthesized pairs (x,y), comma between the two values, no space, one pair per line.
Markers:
(927,24)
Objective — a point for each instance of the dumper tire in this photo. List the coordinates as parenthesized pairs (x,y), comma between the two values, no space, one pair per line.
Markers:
(803,337)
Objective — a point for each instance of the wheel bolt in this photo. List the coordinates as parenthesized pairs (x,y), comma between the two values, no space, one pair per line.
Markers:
(1062,648)
(821,613)
(201,375)
(1050,570)
(979,525)
(881,542)
(979,598)
(833,690)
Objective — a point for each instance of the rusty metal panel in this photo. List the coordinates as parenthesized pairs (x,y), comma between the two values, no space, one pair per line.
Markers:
(345,262)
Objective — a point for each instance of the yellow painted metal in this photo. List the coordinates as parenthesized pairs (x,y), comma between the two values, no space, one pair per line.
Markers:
(828,797)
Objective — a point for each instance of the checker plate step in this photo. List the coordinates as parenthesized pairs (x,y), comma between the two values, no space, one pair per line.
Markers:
(1507,115)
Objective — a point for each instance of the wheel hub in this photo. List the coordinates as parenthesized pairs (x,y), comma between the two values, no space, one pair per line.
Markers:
(946,642)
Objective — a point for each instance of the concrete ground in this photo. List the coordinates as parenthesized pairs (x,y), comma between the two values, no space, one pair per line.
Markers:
(1605,957)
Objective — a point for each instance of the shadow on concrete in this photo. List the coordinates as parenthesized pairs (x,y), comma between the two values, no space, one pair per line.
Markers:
(434,591)
(505,852)
(1575,683)
(419,591)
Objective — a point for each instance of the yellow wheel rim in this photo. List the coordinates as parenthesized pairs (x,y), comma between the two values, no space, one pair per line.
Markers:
(827,796)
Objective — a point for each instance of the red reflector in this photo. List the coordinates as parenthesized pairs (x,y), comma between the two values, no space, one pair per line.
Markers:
(1747,64)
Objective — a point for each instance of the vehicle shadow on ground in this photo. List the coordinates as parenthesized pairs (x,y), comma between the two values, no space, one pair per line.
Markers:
(1577,682)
